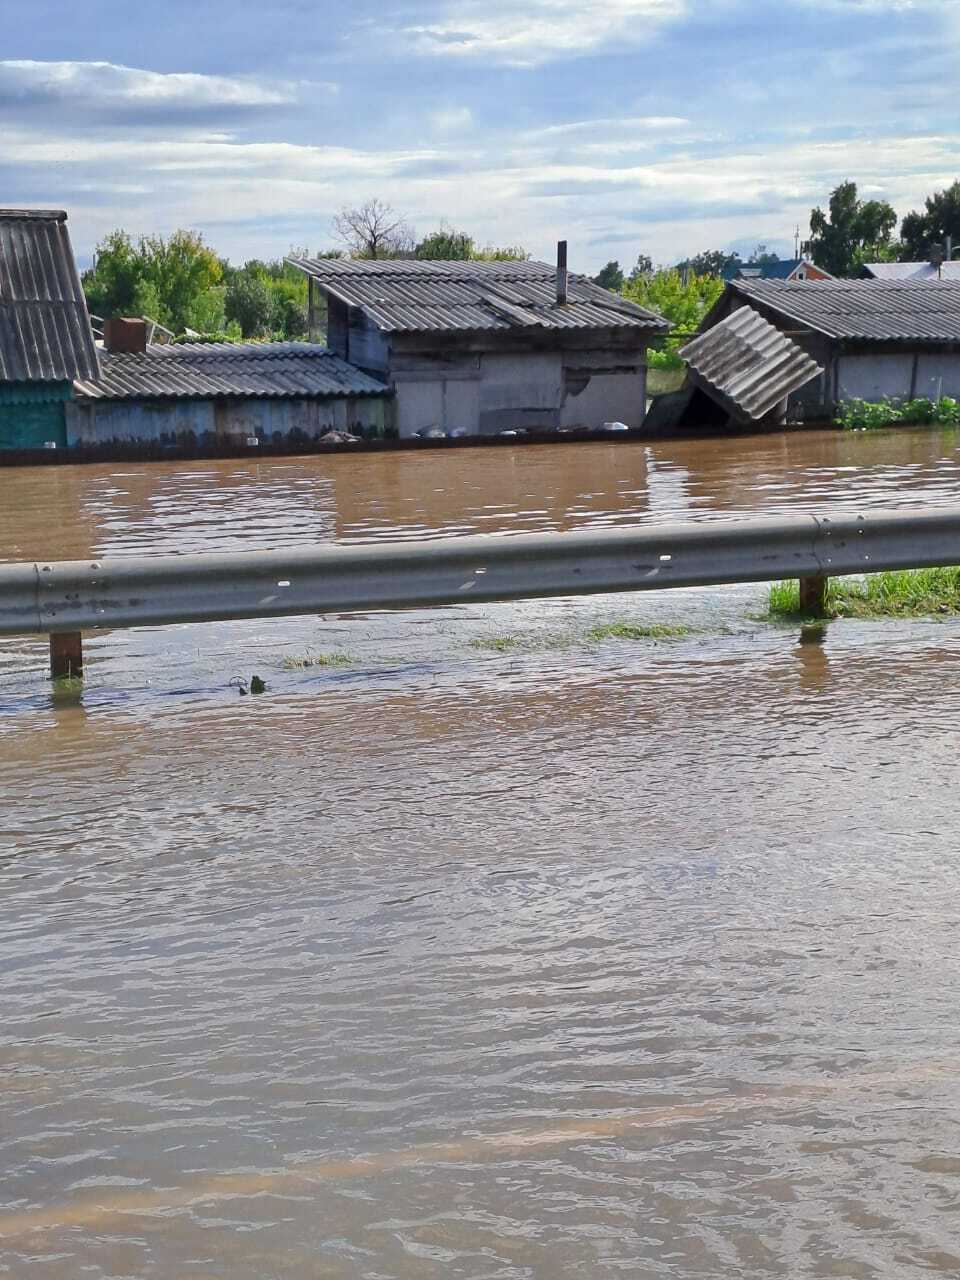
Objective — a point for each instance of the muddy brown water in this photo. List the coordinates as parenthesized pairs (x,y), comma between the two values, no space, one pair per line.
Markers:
(494,950)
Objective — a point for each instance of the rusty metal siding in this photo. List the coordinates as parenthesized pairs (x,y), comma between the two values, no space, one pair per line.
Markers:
(45,333)
(749,363)
(417,297)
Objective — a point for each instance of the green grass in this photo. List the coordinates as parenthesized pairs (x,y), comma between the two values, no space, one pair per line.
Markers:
(305,660)
(638,631)
(900,593)
(501,643)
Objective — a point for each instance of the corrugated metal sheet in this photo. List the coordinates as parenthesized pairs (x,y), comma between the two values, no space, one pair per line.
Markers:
(749,363)
(408,296)
(45,333)
(208,371)
(869,310)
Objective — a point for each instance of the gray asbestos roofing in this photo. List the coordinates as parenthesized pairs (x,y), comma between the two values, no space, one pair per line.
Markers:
(749,363)
(402,295)
(45,333)
(926,311)
(913,270)
(210,371)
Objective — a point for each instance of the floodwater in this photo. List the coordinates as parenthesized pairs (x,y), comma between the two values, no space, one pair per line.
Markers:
(479,946)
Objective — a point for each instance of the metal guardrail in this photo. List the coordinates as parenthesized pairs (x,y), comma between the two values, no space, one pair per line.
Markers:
(136,591)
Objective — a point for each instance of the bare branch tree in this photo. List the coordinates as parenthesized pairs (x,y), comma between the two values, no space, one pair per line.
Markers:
(373,230)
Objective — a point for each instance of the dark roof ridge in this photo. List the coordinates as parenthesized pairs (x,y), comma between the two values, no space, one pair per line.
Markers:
(42,215)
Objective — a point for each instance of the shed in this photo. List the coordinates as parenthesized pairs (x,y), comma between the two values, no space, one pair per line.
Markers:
(224,392)
(871,338)
(45,336)
(486,347)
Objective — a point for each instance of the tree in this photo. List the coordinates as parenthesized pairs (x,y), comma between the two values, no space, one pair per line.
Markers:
(502,253)
(683,299)
(852,232)
(610,277)
(711,262)
(249,302)
(762,257)
(115,285)
(174,281)
(922,233)
(643,267)
(373,230)
(446,244)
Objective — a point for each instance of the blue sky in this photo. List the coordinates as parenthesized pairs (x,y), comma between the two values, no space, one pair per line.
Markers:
(654,126)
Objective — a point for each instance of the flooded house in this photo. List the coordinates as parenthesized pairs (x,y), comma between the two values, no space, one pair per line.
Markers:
(480,348)
(771,351)
(244,394)
(45,337)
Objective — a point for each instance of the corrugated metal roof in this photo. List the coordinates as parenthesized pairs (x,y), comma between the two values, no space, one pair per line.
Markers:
(913,270)
(749,363)
(869,310)
(404,295)
(209,371)
(45,333)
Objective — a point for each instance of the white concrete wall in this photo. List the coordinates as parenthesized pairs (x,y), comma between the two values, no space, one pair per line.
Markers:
(607,397)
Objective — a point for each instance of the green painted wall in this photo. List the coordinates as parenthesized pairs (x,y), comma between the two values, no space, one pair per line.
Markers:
(31,413)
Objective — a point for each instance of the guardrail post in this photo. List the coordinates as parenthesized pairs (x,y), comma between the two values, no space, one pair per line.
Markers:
(813,595)
(66,655)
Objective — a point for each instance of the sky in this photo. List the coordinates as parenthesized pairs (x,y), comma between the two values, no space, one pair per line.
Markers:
(661,127)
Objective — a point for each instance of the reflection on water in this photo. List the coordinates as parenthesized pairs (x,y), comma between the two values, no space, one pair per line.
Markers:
(571,959)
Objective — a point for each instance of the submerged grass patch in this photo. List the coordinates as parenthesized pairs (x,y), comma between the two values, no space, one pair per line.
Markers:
(915,593)
(504,642)
(529,642)
(639,631)
(302,661)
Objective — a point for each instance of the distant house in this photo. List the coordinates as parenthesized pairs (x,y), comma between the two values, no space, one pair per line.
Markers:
(45,336)
(486,347)
(220,393)
(788,269)
(910,271)
(868,339)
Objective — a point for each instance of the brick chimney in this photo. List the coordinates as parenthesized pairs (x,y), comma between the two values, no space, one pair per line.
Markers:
(125,334)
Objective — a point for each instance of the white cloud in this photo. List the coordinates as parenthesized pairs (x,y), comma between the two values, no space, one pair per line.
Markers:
(106,84)
(527,33)
(452,119)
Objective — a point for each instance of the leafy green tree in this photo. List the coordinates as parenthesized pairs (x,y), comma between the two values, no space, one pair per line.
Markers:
(711,262)
(642,267)
(249,301)
(502,253)
(168,280)
(851,232)
(116,285)
(923,232)
(610,277)
(683,298)
(446,244)
(206,313)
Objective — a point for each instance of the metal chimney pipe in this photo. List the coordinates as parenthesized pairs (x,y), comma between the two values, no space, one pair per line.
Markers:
(561,271)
